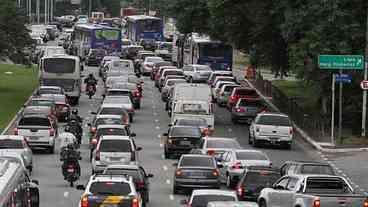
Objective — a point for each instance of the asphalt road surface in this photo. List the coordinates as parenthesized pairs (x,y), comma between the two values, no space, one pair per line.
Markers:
(149,123)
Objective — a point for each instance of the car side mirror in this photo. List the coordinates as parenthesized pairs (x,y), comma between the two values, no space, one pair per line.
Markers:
(150,175)
(165,134)
(94,113)
(278,187)
(80,187)
(183,202)
(133,134)
(138,148)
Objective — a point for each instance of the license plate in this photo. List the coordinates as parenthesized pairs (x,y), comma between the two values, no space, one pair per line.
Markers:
(115,158)
(185,142)
(33,138)
(198,174)
(70,170)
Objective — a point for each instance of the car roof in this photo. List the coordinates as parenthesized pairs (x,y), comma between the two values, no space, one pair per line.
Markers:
(114,137)
(111,105)
(273,114)
(109,126)
(306,162)
(213,192)
(196,155)
(50,87)
(14,137)
(37,109)
(248,150)
(123,167)
(108,116)
(303,176)
(219,138)
(109,178)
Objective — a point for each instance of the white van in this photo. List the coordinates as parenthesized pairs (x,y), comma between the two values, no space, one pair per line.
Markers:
(63,71)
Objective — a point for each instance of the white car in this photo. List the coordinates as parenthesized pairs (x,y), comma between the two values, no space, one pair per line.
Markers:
(110,190)
(18,145)
(235,161)
(197,73)
(124,101)
(271,128)
(217,88)
(201,198)
(218,145)
(112,150)
(147,65)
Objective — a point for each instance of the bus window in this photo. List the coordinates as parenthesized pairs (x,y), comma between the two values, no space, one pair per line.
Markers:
(110,34)
(59,65)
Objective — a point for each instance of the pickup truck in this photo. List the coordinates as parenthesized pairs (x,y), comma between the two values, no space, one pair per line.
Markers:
(311,191)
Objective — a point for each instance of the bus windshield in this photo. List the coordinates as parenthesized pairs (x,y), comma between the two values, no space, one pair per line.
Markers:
(59,65)
(107,34)
(149,25)
(215,50)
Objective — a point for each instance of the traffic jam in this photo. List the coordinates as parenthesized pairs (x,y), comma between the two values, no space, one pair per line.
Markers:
(94,118)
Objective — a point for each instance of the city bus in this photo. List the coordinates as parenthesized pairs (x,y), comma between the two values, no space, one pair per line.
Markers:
(63,71)
(204,51)
(144,27)
(94,36)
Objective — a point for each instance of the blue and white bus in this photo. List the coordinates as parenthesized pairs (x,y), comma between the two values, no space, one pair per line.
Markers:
(204,51)
(144,27)
(94,36)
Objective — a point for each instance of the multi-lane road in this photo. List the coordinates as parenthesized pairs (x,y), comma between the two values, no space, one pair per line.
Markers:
(150,122)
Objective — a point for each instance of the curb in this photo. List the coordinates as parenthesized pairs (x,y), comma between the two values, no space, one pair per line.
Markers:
(16,116)
(303,134)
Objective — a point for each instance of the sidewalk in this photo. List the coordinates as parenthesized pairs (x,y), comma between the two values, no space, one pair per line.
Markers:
(322,145)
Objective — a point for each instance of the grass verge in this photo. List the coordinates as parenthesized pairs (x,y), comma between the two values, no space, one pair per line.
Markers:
(15,88)
(305,94)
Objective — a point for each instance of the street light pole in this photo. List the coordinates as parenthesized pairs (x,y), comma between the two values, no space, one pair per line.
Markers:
(364,111)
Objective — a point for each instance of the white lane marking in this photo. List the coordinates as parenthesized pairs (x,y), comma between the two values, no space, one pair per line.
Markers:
(172,197)
(159,136)
(339,171)
(154,114)
(66,194)
(161,145)
(153,106)
(325,159)
(165,168)
(168,181)
(158,127)
(163,157)
(229,129)
(156,120)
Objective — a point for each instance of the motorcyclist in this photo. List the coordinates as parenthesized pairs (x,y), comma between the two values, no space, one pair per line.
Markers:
(70,156)
(90,81)
(75,116)
(75,127)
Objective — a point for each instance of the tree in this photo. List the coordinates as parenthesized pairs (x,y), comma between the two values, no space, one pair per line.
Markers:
(14,36)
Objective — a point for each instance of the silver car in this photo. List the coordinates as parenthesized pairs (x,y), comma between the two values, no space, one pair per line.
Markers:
(17,144)
(235,161)
(197,73)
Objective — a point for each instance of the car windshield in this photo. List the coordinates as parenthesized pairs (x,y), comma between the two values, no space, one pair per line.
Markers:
(203,200)
(154,59)
(173,82)
(191,122)
(34,121)
(243,155)
(273,120)
(108,121)
(261,178)
(110,188)
(194,161)
(223,143)
(317,169)
(130,172)
(115,146)
(49,91)
(111,131)
(10,144)
(203,68)
(185,132)
(246,92)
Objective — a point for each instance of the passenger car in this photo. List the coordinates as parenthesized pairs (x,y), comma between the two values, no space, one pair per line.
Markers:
(123,101)
(181,140)
(95,56)
(110,190)
(105,119)
(147,64)
(197,73)
(113,149)
(235,161)
(254,179)
(247,109)
(49,90)
(196,171)
(156,67)
(306,167)
(214,74)
(241,92)
(18,145)
(272,128)
(224,94)
(217,145)
(201,198)
(198,122)
(140,178)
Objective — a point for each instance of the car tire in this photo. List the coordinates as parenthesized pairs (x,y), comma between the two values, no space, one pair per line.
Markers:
(190,80)
(175,190)
(262,203)
(167,154)
(250,142)
(234,120)
(52,149)
(131,118)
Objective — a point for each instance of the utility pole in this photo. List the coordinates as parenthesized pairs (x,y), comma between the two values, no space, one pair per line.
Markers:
(90,8)
(364,111)
(52,10)
(46,11)
(38,11)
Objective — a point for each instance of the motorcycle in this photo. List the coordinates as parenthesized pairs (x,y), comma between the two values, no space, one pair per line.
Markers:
(76,129)
(91,91)
(70,166)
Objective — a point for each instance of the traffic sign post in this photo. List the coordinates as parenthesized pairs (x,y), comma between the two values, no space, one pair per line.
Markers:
(364,85)
(340,62)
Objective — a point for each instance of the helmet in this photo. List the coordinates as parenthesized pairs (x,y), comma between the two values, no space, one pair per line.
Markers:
(90,75)
(67,128)
(70,146)
(75,111)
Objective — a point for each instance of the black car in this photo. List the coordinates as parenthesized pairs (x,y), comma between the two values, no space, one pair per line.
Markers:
(196,171)
(140,177)
(306,167)
(254,179)
(181,139)
(95,56)
(148,44)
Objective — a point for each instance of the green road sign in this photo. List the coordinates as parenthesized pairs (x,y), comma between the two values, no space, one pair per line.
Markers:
(343,62)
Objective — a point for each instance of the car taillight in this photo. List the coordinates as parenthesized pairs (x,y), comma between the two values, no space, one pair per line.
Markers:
(178,173)
(93,129)
(291,130)
(94,141)
(240,110)
(97,157)
(51,132)
(240,191)
(210,152)
(237,165)
(136,93)
(15,131)
(84,202)
(215,173)
(132,157)
(317,203)
(206,132)
(140,184)
(135,202)
(365,203)
(233,98)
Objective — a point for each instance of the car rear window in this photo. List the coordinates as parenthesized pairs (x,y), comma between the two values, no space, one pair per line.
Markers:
(108,121)
(197,161)
(203,68)
(111,111)
(250,156)
(274,120)
(117,93)
(246,92)
(111,131)
(249,103)
(185,132)
(191,122)
(203,200)
(172,73)
(11,144)
(317,169)
(115,146)
(130,172)
(225,143)
(34,121)
(264,178)
(229,88)
(110,188)
(49,91)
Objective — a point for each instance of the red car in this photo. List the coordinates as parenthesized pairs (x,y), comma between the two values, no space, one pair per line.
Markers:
(241,92)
